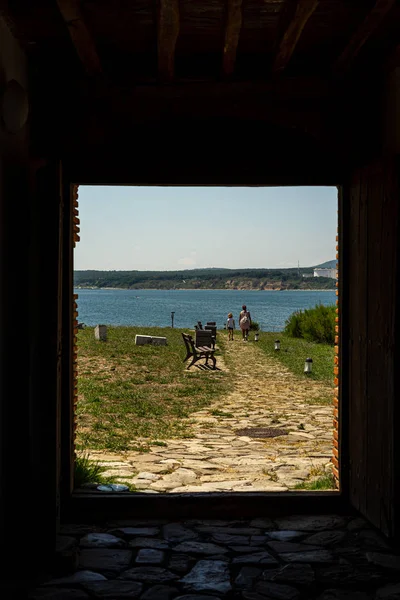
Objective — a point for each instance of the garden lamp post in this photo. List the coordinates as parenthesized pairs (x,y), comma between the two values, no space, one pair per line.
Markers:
(308,366)
(172,318)
(277,345)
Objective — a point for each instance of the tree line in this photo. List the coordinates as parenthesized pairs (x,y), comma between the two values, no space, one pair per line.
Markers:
(203,279)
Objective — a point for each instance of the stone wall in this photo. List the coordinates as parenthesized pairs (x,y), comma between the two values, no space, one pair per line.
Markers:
(335,456)
(76,239)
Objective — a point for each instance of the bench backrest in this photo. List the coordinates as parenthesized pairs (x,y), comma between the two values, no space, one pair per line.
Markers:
(204,338)
(189,343)
(212,329)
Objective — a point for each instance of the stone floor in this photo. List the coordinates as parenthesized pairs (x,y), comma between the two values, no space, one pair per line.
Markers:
(295,558)
(216,458)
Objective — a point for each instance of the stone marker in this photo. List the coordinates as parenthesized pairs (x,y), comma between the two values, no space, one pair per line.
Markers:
(159,341)
(141,340)
(100,333)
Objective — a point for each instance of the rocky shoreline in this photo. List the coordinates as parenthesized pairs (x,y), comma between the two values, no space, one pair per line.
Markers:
(247,289)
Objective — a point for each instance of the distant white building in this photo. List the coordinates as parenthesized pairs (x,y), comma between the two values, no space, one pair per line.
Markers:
(331,273)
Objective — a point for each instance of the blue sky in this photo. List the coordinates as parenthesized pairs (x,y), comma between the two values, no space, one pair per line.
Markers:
(169,228)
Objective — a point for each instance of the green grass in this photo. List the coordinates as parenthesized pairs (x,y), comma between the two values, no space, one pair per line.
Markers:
(221,413)
(322,401)
(315,324)
(127,392)
(293,353)
(89,471)
(325,482)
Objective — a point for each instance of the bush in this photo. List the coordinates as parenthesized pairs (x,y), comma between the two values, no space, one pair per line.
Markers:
(254,326)
(87,471)
(315,324)
(293,325)
(325,482)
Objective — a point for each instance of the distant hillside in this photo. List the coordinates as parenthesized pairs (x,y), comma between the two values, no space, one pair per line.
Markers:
(329,264)
(216,278)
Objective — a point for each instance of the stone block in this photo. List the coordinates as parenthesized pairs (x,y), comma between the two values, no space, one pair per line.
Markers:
(100,333)
(208,575)
(142,340)
(114,589)
(149,556)
(109,563)
(159,341)
(66,556)
(58,594)
(161,592)
(148,575)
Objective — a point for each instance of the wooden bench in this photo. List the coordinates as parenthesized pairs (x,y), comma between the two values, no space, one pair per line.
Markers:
(196,353)
(212,329)
(204,338)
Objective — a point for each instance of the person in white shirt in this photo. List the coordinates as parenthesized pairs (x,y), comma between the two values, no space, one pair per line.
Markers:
(230,325)
(245,322)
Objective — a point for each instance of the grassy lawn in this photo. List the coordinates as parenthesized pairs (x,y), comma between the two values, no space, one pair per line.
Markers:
(128,392)
(325,482)
(293,353)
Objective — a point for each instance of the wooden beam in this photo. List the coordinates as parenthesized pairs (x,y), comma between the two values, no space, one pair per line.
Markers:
(232,33)
(80,35)
(87,508)
(371,22)
(304,10)
(288,88)
(167,35)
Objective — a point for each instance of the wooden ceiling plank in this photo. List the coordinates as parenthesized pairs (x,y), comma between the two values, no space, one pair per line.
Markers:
(80,35)
(167,34)
(232,34)
(304,10)
(371,22)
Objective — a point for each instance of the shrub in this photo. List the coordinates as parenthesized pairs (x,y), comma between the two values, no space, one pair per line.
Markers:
(254,326)
(87,471)
(293,325)
(325,482)
(315,324)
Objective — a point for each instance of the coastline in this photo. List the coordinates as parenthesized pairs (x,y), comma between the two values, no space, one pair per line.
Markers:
(202,289)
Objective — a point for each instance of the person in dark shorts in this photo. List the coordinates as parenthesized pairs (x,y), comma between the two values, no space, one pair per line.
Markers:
(230,325)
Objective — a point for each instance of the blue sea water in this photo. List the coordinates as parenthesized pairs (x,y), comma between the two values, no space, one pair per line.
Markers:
(153,307)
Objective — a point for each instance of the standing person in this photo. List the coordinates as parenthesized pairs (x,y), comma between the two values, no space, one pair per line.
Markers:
(230,325)
(245,322)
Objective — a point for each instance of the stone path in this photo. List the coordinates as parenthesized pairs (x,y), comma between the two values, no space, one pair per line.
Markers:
(217,459)
(294,558)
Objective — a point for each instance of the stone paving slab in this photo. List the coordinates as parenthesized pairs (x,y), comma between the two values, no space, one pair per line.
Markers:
(217,459)
(195,559)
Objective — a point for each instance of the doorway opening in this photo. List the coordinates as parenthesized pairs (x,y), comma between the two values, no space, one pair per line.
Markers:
(147,422)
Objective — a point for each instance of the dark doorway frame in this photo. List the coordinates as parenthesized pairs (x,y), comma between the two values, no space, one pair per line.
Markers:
(96,506)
